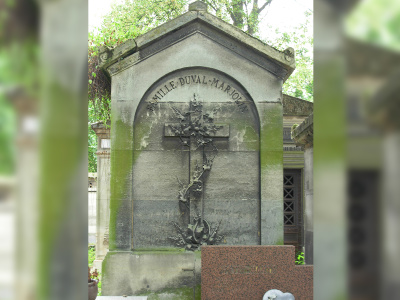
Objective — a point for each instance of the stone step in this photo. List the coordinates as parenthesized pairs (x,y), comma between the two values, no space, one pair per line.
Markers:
(121,298)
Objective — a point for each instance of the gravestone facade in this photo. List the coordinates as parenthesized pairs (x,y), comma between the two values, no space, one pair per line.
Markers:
(196,150)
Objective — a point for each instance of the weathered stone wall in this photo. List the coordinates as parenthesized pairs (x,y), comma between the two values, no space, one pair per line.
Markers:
(157,90)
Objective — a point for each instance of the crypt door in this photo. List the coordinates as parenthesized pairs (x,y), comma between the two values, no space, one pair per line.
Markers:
(293,208)
(196,175)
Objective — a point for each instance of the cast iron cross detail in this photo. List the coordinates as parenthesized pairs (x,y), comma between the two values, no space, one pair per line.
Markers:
(196,131)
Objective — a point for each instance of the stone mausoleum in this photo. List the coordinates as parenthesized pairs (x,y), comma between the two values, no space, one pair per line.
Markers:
(201,152)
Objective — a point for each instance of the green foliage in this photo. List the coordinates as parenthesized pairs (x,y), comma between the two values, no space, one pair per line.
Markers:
(92,149)
(125,21)
(98,110)
(18,71)
(99,285)
(244,14)
(376,21)
(300,83)
(91,258)
(299,258)
(91,255)
(19,66)
(7,133)
(136,17)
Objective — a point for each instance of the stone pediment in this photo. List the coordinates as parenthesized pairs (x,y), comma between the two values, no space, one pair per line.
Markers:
(197,21)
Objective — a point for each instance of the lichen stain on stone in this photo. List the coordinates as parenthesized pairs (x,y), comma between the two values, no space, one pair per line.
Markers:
(271,137)
(246,134)
(239,137)
(144,139)
(121,166)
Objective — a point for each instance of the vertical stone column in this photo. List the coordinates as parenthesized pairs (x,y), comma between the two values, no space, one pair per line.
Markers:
(103,191)
(308,206)
(330,218)
(271,166)
(390,208)
(121,164)
(27,174)
(303,136)
(385,111)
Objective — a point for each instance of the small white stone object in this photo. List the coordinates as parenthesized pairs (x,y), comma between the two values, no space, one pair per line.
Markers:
(277,295)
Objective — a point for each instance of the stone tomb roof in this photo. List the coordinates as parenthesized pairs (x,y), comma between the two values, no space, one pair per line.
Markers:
(293,106)
(197,20)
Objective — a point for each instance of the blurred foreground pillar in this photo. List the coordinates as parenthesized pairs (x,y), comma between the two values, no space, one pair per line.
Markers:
(63,195)
(385,112)
(330,222)
(27,174)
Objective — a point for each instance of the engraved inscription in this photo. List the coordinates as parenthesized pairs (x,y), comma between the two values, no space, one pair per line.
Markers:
(253,269)
(194,79)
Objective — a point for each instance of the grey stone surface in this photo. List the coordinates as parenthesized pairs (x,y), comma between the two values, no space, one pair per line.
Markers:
(109,56)
(156,174)
(135,273)
(293,106)
(198,5)
(308,206)
(234,177)
(277,295)
(271,165)
(122,297)
(231,189)
(196,50)
(196,141)
(153,222)
(303,134)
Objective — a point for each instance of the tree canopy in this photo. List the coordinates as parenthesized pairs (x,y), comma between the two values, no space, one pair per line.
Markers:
(244,14)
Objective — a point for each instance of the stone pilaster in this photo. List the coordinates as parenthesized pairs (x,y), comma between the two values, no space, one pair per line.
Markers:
(303,136)
(103,191)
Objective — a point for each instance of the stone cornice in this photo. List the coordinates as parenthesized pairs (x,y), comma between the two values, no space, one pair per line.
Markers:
(303,134)
(384,108)
(101,130)
(293,106)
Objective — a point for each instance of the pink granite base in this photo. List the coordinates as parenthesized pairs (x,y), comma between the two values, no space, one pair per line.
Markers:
(248,272)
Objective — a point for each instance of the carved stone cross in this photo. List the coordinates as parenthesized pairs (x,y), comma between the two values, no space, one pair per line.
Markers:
(196,130)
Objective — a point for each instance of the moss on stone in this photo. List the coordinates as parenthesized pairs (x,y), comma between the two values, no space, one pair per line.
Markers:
(123,158)
(271,145)
(197,254)
(121,166)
